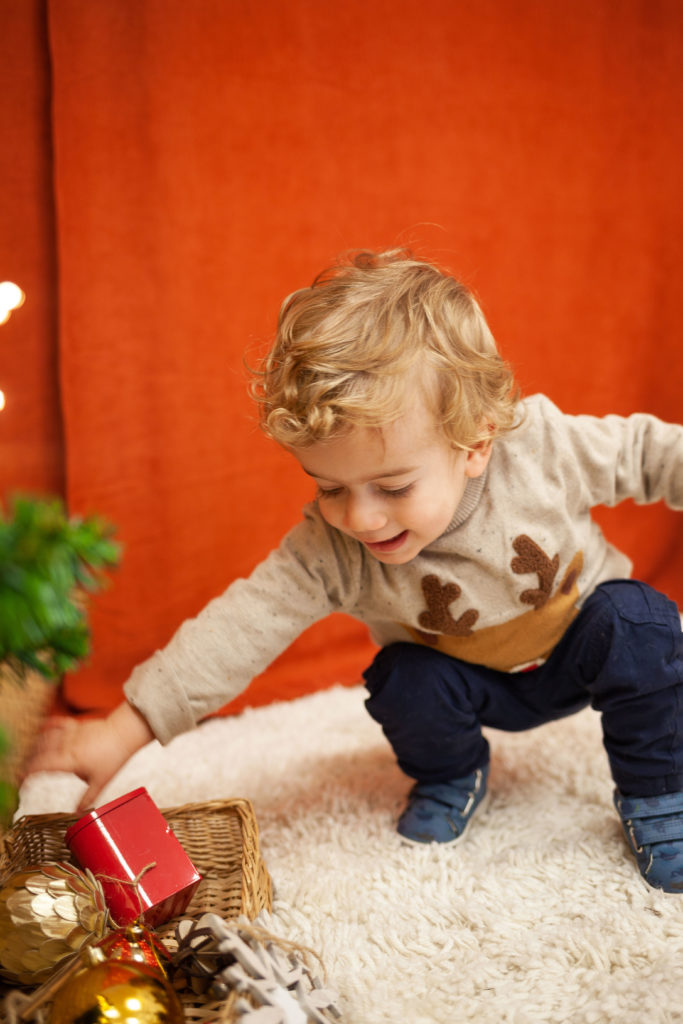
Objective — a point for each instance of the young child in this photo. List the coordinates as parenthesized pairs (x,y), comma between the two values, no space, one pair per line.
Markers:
(454,520)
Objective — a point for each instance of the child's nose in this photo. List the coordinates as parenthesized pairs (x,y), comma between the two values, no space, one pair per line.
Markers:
(363,514)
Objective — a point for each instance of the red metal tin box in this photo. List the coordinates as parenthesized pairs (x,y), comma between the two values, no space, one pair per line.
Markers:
(144,871)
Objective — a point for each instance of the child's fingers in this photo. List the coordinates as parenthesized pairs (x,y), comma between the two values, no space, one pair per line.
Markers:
(88,800)
(53,750)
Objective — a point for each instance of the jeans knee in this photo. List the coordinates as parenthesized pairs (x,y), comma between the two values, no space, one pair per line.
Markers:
(398,663)
(637,603)
(633,644)
(416,682)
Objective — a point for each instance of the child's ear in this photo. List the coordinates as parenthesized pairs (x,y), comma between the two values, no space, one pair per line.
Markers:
(478,459)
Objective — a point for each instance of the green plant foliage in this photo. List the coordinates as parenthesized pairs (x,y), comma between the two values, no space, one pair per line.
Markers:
(8,792)
(9,800)
(46,560)
(4,743)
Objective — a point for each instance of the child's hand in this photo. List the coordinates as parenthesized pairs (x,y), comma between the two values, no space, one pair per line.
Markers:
(93,749)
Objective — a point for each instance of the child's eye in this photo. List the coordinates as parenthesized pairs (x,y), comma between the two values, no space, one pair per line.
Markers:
(328,492)
(398,492)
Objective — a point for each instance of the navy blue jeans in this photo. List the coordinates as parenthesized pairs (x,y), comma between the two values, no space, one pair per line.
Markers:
(623,655)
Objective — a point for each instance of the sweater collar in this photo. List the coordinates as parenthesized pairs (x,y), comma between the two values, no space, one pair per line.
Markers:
(468,502)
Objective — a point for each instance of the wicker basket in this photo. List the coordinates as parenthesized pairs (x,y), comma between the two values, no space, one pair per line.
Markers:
(23,706)
(220,838)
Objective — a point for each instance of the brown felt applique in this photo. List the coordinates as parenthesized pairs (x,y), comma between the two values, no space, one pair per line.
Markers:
(517,641)
(438,619)
(533,559)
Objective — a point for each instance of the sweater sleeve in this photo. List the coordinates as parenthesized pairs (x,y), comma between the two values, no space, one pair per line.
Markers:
(638,456)
(214,656)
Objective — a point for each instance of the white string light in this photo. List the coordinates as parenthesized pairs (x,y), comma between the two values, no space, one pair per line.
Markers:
(11,298)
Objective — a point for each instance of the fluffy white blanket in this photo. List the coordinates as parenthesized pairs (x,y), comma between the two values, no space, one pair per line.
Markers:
(540,915)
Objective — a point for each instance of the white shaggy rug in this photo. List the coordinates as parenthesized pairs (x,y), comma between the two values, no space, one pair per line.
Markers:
(539,916)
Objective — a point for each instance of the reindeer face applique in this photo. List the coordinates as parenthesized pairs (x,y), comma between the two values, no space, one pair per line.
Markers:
(518,641)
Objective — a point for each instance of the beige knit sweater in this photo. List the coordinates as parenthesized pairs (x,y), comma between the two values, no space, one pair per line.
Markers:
(498,588)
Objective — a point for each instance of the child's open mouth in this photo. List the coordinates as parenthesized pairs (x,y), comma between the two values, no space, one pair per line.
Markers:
(385,546)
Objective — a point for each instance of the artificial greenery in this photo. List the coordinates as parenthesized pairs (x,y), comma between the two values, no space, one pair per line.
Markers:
(47,561)
(8,793)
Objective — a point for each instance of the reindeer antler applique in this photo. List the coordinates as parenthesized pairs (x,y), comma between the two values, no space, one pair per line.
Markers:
(438,619)
(533,559)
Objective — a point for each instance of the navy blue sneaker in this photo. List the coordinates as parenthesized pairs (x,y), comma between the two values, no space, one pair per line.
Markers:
(654,830)
(440,812)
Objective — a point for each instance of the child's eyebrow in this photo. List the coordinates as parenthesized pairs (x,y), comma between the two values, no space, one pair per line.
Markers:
(366,480)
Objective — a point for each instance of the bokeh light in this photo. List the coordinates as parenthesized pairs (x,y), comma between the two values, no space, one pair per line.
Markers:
(11,298)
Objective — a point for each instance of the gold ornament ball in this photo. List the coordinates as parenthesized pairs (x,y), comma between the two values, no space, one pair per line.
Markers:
(116,992)
(47,913)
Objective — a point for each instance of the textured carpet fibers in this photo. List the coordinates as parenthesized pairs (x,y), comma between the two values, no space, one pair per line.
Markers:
(539,915)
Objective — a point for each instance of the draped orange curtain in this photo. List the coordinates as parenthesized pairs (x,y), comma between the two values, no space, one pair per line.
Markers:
(31,455)
(205,159)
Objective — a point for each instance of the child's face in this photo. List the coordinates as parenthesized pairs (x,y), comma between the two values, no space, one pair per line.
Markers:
(395,490)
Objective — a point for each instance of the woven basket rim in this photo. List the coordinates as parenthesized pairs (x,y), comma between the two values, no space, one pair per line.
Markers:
(175,811)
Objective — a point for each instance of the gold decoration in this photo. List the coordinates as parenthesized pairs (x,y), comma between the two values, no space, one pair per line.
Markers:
(116,990)
(46,914)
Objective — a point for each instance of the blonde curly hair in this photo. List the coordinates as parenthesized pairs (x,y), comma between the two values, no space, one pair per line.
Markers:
(352,348)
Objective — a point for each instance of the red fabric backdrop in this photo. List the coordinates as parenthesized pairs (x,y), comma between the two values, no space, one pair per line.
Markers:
(172,170)
(30,425)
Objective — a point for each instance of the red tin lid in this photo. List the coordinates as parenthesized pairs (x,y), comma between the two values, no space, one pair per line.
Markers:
(99,812)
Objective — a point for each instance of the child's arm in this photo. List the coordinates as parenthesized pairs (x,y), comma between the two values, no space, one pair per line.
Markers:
(212,657)
(93,749)
(616,457)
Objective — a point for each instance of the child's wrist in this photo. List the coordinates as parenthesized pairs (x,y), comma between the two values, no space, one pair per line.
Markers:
(130,726)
